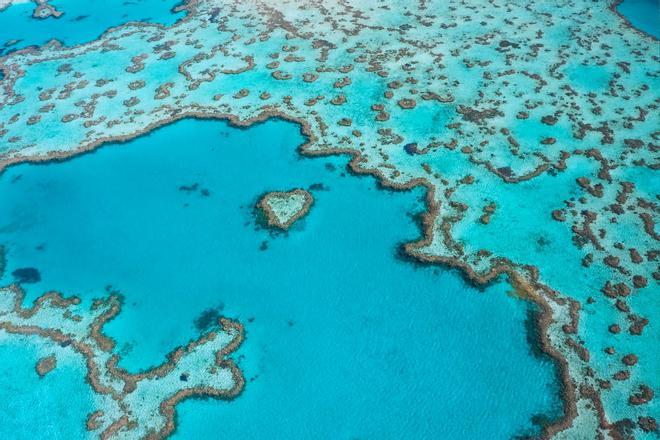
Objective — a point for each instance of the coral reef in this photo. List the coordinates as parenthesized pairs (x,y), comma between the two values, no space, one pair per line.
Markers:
(283,209)
(533,125)
(140,405)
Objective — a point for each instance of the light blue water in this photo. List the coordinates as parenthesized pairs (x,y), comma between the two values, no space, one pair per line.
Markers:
(53,407)
(82,21)
(344,340)
(643,14)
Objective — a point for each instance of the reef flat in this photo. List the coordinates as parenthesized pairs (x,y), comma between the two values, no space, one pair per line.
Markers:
(126,405)
(532,126)
(283,209)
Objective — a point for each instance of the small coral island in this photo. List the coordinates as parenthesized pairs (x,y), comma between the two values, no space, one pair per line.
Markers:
(283,209)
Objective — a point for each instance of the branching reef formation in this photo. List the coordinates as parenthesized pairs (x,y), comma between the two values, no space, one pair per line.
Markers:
(129,405)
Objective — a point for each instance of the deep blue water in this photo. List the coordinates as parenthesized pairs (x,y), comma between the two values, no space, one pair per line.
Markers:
(82,21)
(643,14)
(344,340)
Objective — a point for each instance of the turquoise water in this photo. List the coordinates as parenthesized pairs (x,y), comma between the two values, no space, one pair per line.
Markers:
(344,339)
(643,14)
(82,21)
(52,407)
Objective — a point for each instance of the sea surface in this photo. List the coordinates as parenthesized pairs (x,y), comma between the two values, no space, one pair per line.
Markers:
(643,14)
(344,339)
(51,407)
(82,20)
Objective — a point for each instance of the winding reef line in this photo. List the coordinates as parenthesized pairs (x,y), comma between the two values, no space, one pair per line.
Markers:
(515,273)
(104,375)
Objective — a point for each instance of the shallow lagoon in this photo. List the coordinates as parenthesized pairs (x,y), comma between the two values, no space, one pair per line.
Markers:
(52,407)
(82,20)
(344,339)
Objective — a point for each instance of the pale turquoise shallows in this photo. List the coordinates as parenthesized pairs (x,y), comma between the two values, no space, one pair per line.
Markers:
(52,407)
(344,340)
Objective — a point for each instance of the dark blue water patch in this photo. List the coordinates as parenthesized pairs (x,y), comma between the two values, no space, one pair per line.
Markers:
(82,21)
(344,340)
(27,275)
(643,14)
(208,319)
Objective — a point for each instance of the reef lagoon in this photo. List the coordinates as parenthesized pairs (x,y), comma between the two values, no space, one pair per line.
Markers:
(344,219)
(343,339)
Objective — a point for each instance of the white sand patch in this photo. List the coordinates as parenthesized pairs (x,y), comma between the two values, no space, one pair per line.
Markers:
(6,3)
